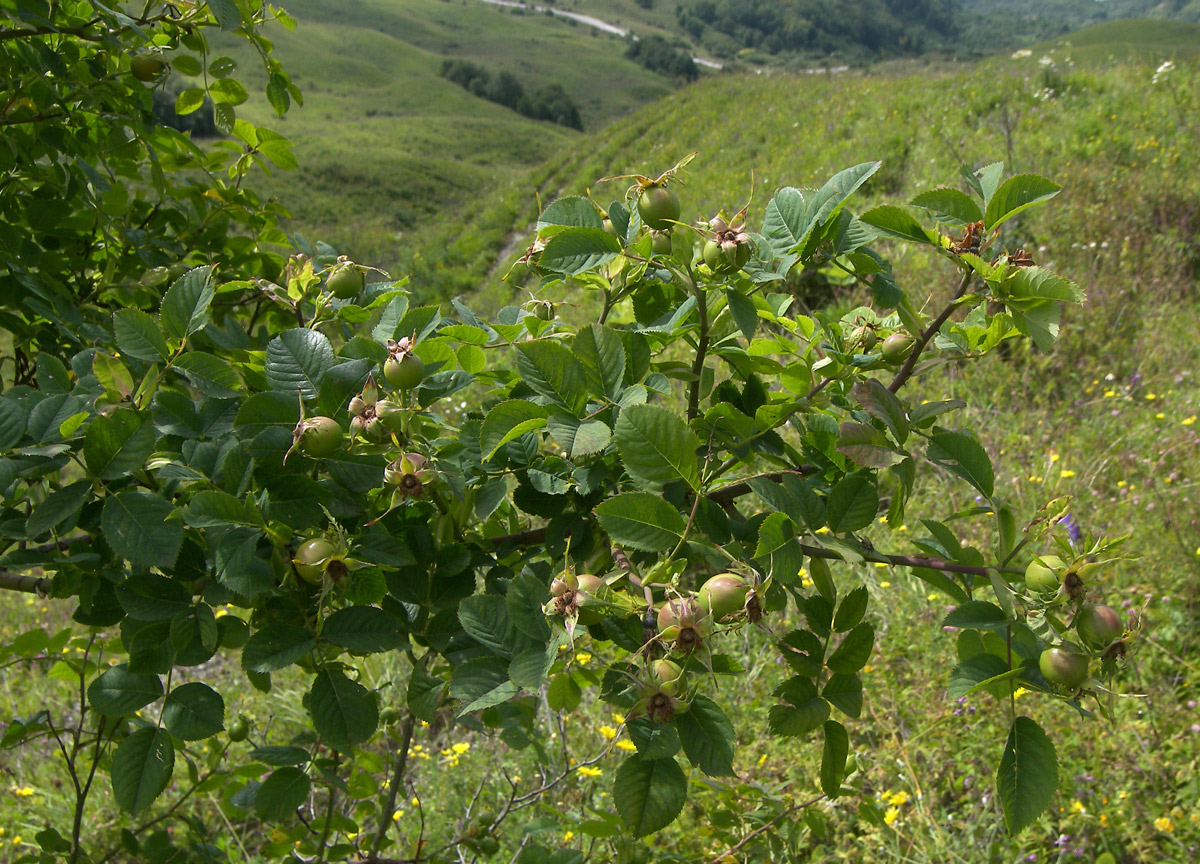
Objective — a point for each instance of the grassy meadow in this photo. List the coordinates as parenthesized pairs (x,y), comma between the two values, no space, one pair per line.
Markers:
(1109,416)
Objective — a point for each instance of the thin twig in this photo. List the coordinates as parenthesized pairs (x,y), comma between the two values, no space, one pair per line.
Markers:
(764,828)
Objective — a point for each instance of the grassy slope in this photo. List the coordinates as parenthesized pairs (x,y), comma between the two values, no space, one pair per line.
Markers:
(385,143)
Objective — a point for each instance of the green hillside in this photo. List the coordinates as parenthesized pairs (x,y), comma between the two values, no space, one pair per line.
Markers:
(1149,40)
(385,144)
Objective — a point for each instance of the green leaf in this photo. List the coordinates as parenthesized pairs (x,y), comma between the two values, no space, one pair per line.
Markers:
(867,446)
(1017,194)
(833,758)
(649,794)
(138,526)
(657,446)
(12,423)
(364,630)
(983,671)
(653,740)
(642,521)
(297,360)
(744,313)
(845,693)
(184,307)
(950,206)
(424,694)
(482,683)
(854,652)
(707,737)
(526,594)
(851,610)
(553,372)
(117,444)
(189,101)
(279,755)
(1038,284)
(601,353)
(150,597)
(117,691)
(344,712)
(141,768)
(895,222)
(529,668)
(985,180)
(485,618)
(852,504)
(508,421)
(564,693)
(962,454)
(139,336)
(281,794)
(228,16)
(1028,774)
(977,615)
(194,711)
(219,509)
(1037,319)
(796,722)
(577,250)
(838,188)
(883,405)
(209,374)
(228,91)
(571,211)
(58,507)
(276,647)
(578,438)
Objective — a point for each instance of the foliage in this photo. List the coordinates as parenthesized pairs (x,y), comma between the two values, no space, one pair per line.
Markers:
(654,52)
(549,103)
(177,467)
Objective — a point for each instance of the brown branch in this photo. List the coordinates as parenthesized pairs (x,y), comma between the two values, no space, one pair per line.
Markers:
(763,828)
(38,585)
(928,333)
(35,119)
(22,33)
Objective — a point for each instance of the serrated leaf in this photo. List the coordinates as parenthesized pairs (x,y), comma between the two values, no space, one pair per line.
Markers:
(564,693)
(977,615)
(1038,284)
(194,711)
(657,447)
(58,507)
(576,437)
(364,630)
(553,373)
(424,694)
(961,453)
(571,211)
(851,610)
(950,206)
(141,768)
(482,683)
(867,446)
(852,504)
(117,691)
(138,336)
(526,594)
(282,793)
(642,521)
(883,405)
(297,360)
(138,526)
(649,794)
(117,444)
(653,740)
(1028,774)
(980,671)
(602,354)
(845,693)
(276,647)
(508,421)
(485,619)
(577,250)
(343,712)
(209,374)
(707,737)
(1017,194)
(833,758)
(893,221)
(184,308)
(854,652)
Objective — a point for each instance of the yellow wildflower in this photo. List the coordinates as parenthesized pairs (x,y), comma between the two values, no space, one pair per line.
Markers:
(626,745)
(892,814)
(617,718)
(583,658)
(1189,421)
(1164,824)
(568,836)
(1065,473)
(23,791)
(608,732)
(461,747)
(899,799)
(590,771)
(1077,807)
